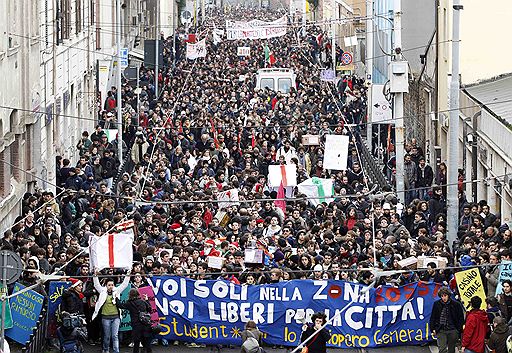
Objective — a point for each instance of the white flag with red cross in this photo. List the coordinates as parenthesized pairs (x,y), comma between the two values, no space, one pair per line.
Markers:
(112,250)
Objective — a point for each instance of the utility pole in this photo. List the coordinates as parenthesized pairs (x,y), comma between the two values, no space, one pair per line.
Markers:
(453,137)
(399,85)
(157,40)
(333,29)
(119,103)
(369,66)
(304,9)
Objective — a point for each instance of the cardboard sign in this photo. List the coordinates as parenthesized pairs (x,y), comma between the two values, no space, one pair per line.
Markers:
(243,51)
(336,152)
(311,140)
(440,262)
(470,284)
(215,262)
(253,256)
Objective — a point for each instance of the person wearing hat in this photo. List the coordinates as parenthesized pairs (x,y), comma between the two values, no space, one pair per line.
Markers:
(72,298)
(446,321)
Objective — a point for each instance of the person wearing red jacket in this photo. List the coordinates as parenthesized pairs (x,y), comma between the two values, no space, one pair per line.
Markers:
(476,328)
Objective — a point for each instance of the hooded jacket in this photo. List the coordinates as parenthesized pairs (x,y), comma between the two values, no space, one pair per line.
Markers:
(498,339)
(475,331)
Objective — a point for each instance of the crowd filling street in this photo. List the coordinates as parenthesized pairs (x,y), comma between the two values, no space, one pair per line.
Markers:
(210,130)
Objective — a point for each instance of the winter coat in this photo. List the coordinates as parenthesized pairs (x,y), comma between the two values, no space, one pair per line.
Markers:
(135,307)
(492,280)
(316,344)
(71,302)
(455,310)
(498,339)
(103,293)
(475,331)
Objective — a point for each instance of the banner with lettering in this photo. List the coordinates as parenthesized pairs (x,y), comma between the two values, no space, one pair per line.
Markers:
(215,312)
(8,318)
(55,291)
(126,320)
(25,310)
(505,273)
(256,29)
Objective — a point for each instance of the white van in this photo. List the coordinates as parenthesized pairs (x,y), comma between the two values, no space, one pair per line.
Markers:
(277,79)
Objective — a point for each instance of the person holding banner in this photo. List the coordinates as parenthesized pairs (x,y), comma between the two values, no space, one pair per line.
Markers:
(141,332)
(446,321)
(318,343)
(106,305)
(505,300)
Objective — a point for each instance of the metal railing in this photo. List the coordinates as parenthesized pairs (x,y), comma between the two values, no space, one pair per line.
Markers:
(372,168)
(37,339)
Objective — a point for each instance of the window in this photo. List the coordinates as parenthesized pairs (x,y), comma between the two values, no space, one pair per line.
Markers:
(267,83)
(284,85)
(78,16)
(63,20)
(15,158)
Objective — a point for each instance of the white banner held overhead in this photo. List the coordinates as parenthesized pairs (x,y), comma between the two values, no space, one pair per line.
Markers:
(196,50)
(228,198)
(336,152)
(113,250)
(243,51)
(317,190)
(286,173)
(256,29)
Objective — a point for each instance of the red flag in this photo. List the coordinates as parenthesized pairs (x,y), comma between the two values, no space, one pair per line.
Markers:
(180,129)
(280,202)
(253,140)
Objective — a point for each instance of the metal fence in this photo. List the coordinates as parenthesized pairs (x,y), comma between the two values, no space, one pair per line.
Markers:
(37,339)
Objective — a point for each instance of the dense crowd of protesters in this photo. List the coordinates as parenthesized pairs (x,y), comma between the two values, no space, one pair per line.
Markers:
(209,131)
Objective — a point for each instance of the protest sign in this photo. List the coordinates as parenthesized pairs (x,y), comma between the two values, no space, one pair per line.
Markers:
(215,312)
(25,310)
(505,273)
(8,318)
(256,29)
(336,152)
(55,290)
(196,50)
(282,173)
(243,51)
(126,320)
(327,75)
(112,250)
(228,198)
(470,285)
(155,319)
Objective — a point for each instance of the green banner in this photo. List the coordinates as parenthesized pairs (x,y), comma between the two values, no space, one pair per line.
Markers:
(8,318)
(126,321)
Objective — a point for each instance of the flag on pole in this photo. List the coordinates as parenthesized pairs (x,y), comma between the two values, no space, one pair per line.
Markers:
(270,59)
(317,190)
(280,202)
(112,250)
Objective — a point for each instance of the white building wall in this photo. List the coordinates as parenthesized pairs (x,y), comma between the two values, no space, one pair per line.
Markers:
(66,67)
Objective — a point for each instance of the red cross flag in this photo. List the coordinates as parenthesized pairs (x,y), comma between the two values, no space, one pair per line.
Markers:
(112,250)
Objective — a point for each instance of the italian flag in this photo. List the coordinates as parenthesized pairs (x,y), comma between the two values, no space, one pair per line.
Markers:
(270,59)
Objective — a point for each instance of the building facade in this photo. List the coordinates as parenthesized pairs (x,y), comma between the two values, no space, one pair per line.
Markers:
(20,103)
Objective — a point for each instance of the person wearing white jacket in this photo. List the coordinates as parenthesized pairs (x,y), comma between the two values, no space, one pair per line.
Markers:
(106,305)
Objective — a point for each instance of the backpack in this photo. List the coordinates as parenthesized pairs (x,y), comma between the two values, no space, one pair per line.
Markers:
(70,347)
(145,315)
(251,344)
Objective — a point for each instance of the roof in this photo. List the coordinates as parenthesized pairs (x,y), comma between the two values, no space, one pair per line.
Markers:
(496,95)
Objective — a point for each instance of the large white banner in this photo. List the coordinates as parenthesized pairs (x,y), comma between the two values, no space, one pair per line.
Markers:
(336,152)
(256,29)
(228,198)
(114,250)
(286,174)
(196,50)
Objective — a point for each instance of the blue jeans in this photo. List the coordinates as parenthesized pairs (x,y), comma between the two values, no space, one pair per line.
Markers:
(111,331)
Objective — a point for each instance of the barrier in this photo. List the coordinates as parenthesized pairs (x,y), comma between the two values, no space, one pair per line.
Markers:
(37,339)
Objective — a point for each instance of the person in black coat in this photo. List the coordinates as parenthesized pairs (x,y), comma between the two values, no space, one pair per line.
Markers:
(446,321)
(318,343)
(141,333)
(72,298)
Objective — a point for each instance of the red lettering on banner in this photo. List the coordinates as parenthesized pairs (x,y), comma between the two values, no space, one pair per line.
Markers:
(396,294)
(423,289)
(436,290)
(378,295)
(409,290)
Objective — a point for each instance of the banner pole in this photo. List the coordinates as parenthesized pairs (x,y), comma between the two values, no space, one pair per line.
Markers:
(4,300)
(363,292)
